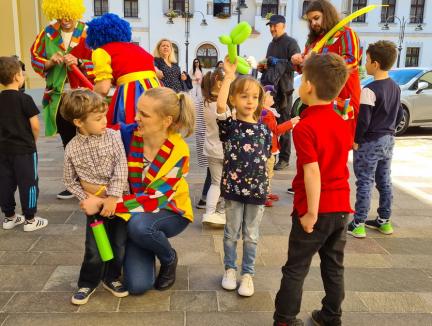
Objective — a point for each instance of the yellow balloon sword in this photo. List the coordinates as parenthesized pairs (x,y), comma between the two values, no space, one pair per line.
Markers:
(342,23)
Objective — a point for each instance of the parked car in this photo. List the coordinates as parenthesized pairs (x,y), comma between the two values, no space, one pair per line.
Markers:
(416,95)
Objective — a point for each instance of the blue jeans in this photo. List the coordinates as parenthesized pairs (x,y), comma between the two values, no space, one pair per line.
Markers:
(245,219)
(148,235)
(372,163)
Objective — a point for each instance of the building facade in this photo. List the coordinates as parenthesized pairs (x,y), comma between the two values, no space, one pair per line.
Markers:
(152,20)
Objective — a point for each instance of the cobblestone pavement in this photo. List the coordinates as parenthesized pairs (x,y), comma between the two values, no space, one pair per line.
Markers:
(388,278)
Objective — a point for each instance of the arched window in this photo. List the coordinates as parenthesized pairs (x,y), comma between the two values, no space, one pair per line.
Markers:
(269,6)
(207,55)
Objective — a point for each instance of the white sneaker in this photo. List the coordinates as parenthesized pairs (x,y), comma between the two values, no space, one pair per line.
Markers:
(216,219)
(10,223)
(229,280)
(37,224)
(246,288)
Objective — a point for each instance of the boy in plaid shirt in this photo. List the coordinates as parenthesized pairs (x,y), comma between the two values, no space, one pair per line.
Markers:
(95,163)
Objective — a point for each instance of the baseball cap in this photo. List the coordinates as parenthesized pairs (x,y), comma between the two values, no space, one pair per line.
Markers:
(275,19)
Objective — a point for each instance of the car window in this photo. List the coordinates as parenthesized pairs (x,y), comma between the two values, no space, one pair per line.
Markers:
(427,77)
(401,77)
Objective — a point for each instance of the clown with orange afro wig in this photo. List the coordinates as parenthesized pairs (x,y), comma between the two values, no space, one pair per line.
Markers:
(57,47)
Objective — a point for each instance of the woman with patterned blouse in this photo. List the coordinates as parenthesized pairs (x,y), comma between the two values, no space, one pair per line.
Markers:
(166,65)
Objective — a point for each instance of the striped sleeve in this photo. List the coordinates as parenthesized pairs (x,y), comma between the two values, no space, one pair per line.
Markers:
(38,54)
(158,194)
(350,48)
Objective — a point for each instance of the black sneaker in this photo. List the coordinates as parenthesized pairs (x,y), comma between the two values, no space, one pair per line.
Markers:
(167,275)
(82,295)
(281,165)
(290,191)
(294,322)
(65,195)
(319,321)
(201,204)
(116,288)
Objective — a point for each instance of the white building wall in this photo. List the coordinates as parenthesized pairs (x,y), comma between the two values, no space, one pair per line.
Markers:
(151,26)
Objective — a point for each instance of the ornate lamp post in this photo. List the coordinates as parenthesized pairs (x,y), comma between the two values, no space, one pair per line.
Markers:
(187,15)
(241,4)
(402,24)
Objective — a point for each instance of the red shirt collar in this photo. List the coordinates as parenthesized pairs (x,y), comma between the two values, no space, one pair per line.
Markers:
(310,110)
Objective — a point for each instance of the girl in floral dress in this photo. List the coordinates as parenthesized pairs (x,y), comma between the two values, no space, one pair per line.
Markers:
(246,143)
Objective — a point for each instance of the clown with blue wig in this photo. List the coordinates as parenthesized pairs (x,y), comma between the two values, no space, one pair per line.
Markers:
(118,61)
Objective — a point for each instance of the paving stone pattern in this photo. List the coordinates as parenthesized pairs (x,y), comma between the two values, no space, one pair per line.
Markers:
(388,278)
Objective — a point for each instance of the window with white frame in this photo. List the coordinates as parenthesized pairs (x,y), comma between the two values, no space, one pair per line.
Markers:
(388,12)
(100,7)
(417,11)
(178,5)
(222,7)
(269,6)
(304,7)
(130,8)
(412,57)
(207,55)
(357,5)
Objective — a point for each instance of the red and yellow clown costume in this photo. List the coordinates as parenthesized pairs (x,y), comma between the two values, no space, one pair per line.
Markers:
(345,43)
(125,64)
(132,71)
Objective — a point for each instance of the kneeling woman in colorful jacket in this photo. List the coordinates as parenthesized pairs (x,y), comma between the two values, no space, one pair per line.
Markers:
(159,206)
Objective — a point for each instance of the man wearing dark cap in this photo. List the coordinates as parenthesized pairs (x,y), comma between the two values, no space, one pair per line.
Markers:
(279,72)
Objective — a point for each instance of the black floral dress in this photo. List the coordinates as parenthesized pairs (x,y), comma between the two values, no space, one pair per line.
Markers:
(246,150)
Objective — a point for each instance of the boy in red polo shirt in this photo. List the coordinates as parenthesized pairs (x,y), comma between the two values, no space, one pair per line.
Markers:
(321,201)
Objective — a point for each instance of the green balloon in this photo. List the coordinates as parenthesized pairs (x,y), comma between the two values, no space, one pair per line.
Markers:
(241,32)
(225,39)
(238,35)
(232,52)
(242,66)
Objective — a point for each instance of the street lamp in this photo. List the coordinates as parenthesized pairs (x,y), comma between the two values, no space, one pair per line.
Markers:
(187,14)
(402,24)
(241,4)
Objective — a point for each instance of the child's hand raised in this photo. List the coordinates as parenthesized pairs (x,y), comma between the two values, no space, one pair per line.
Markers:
(229,68)
(295,120)
(308,221)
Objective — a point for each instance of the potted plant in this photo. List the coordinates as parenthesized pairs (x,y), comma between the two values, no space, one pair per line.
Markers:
(171,14)
(187,15)
(223,15)
(268,15)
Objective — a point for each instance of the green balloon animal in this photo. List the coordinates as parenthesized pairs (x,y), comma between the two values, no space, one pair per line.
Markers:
(238,35)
